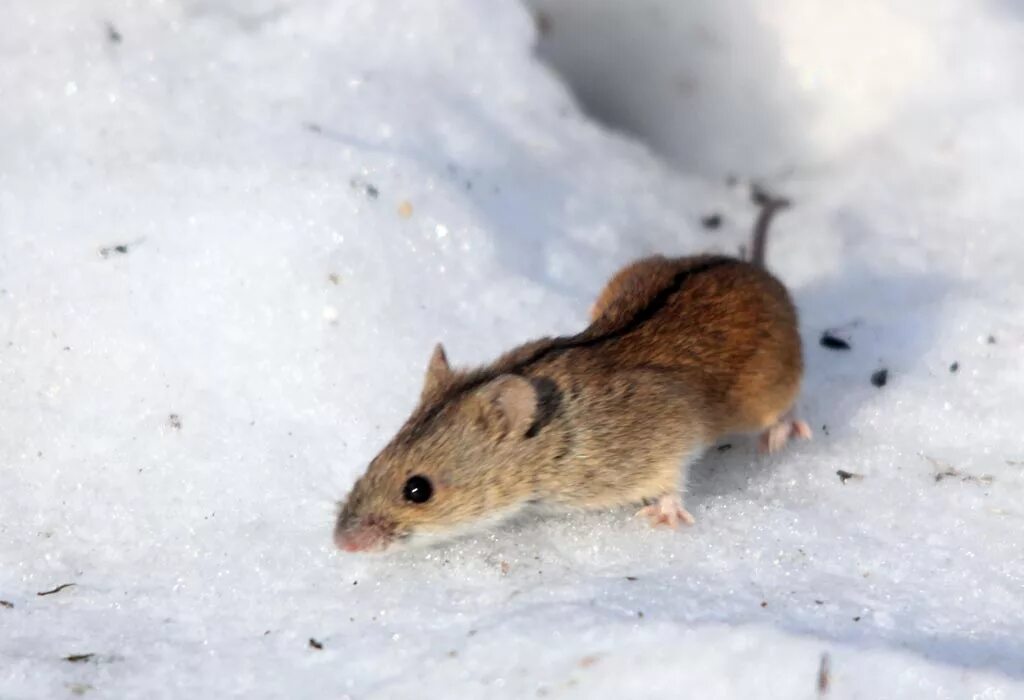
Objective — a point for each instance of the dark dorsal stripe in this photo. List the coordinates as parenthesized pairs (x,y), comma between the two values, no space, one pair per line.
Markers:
(549,401)
(583,339)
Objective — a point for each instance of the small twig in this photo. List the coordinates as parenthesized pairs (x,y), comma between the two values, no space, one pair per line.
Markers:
(824,675)
(845,476)
(78,658)
(945,470)
(58,589)
(769,204)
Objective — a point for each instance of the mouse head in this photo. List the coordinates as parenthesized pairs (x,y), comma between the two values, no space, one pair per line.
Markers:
(455,465)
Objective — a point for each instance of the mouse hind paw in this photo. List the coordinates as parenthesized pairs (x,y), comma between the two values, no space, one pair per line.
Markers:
(775,437)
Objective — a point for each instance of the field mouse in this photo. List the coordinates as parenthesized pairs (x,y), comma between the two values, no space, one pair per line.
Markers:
(679,353)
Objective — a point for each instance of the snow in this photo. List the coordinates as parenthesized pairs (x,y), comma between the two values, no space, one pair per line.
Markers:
(230,233)
(791,81)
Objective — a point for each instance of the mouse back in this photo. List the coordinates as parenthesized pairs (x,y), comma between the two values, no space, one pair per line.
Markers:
(728,326)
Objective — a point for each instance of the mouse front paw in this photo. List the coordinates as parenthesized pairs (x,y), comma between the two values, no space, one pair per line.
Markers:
(667,511)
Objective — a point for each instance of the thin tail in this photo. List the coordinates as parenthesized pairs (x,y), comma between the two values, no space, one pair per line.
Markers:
(769,204)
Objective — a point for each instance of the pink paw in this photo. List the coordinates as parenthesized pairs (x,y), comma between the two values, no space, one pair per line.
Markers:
(776,436)
(667,511)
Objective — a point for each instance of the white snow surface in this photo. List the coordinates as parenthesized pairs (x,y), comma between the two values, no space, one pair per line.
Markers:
(307,195)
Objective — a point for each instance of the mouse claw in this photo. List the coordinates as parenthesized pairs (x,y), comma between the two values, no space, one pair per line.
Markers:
(667,511)
(775,437)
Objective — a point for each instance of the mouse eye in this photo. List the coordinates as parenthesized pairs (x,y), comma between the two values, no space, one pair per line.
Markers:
(418,489)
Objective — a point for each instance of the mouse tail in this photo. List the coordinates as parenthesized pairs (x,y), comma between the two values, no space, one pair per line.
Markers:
(769,204)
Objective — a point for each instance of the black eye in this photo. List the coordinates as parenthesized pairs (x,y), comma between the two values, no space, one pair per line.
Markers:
(418,489)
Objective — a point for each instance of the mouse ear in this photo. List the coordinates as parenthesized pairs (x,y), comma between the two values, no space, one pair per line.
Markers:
(507,405)
(438,371)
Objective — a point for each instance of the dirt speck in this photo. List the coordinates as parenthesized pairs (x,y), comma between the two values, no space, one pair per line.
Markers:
(543,22)
(711,221)
(833,342)
(880,378)
(113,35)
(112,250)
(367,188)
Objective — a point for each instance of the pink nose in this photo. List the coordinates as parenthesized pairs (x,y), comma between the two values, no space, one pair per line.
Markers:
(344,541)
(361,538)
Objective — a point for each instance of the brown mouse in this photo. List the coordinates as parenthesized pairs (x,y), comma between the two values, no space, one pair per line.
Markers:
(680,352)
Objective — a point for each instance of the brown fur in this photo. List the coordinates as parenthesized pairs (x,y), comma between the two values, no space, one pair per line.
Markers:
(732,331)
(679,353)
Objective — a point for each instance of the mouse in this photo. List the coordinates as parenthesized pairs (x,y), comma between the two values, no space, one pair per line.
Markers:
(679,353)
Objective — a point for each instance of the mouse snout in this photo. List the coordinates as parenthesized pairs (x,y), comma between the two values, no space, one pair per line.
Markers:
(369,534)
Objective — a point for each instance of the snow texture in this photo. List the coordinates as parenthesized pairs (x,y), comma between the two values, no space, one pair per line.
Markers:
(230,233)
